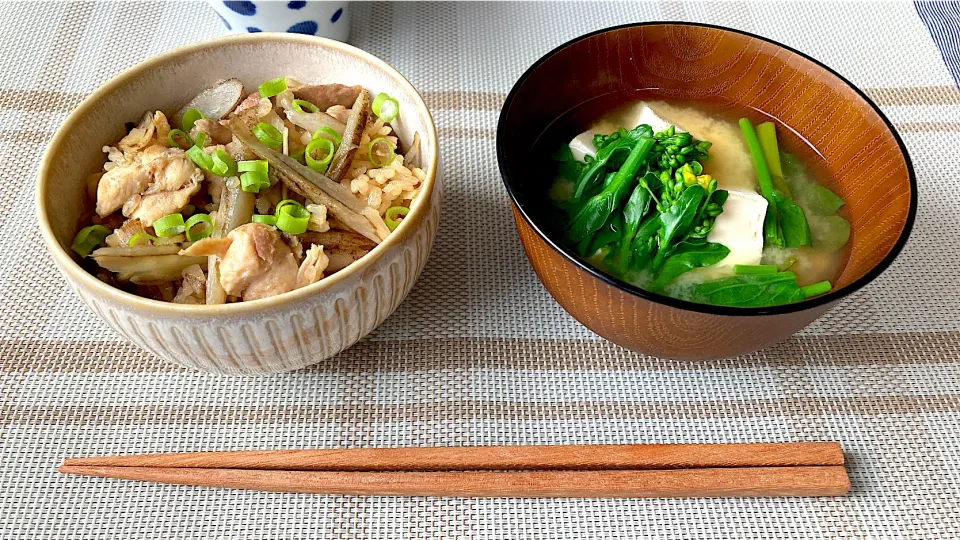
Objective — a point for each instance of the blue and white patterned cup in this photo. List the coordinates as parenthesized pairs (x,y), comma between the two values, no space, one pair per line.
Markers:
(324,19)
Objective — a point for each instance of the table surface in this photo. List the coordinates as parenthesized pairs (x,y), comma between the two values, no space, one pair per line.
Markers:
(479,353)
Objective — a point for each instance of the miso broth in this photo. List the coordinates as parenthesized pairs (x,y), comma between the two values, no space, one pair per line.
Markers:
(668,196)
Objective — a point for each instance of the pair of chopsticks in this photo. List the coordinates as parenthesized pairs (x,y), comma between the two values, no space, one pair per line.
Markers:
(640,470)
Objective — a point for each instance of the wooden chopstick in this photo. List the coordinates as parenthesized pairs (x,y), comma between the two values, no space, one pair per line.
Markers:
(571,457)
(707,482)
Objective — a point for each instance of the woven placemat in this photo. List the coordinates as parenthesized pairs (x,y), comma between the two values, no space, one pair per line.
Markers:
(479,353)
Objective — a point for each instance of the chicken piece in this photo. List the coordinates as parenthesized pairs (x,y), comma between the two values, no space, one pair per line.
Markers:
(239,151)
(208,246)
(252,109)
(255,262)
(122,235)
(119,185)
(152,129)
(325,96)
(311,270)
(174,179)
(339,112)
(139,137)
(216,132)
(280,276)
(194,287)
(152,172)
(162,128)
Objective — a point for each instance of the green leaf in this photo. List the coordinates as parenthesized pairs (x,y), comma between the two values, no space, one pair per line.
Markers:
(830,233)
(608,178)
(567,167)
(637,206)
(791,166)
(719,196)
(811,195)
(793,222)
(686,258)
(643,244)
(749,290)
(823,201)
(677,219)
(592,216)
(641,131)
(615,145)
(596,211)
(608,234)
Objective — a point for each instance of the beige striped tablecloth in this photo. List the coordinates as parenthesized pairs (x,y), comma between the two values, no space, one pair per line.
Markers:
(479,353)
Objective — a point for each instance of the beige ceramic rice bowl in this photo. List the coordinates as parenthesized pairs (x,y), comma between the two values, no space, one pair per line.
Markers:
(274,334)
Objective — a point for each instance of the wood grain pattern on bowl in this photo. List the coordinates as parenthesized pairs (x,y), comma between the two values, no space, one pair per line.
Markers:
(279,333)
(860,149)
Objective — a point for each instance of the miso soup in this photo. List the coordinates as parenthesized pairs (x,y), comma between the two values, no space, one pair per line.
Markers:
(696,201)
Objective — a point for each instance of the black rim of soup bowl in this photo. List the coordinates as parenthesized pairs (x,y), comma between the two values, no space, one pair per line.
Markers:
(832,296)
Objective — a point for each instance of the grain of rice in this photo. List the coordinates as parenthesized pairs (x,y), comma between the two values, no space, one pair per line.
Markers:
(318,218)
(374,197)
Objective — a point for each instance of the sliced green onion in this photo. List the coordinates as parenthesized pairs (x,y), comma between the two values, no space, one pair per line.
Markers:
(385,107)
(172,139)
(292,217)
(135,239)
(283,203)
(321,144)
(254,181)
(89,238)
(300,105)
(201,158)
(266,220)
(168,226)
(390,155)
(256,165)
(754,269)
(195,220)
(268,135)
(200,140)
(299,156)
(392,215)
(273,87)
(816,289)
(329,132)
(224,164)
(190,118)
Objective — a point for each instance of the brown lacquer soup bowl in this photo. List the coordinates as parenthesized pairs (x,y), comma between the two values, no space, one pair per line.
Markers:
(858,148)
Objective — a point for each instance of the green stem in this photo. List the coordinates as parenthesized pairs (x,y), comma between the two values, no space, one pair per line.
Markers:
(816,289)
(754,269)
(767,135)
(759,162)
(630,167)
